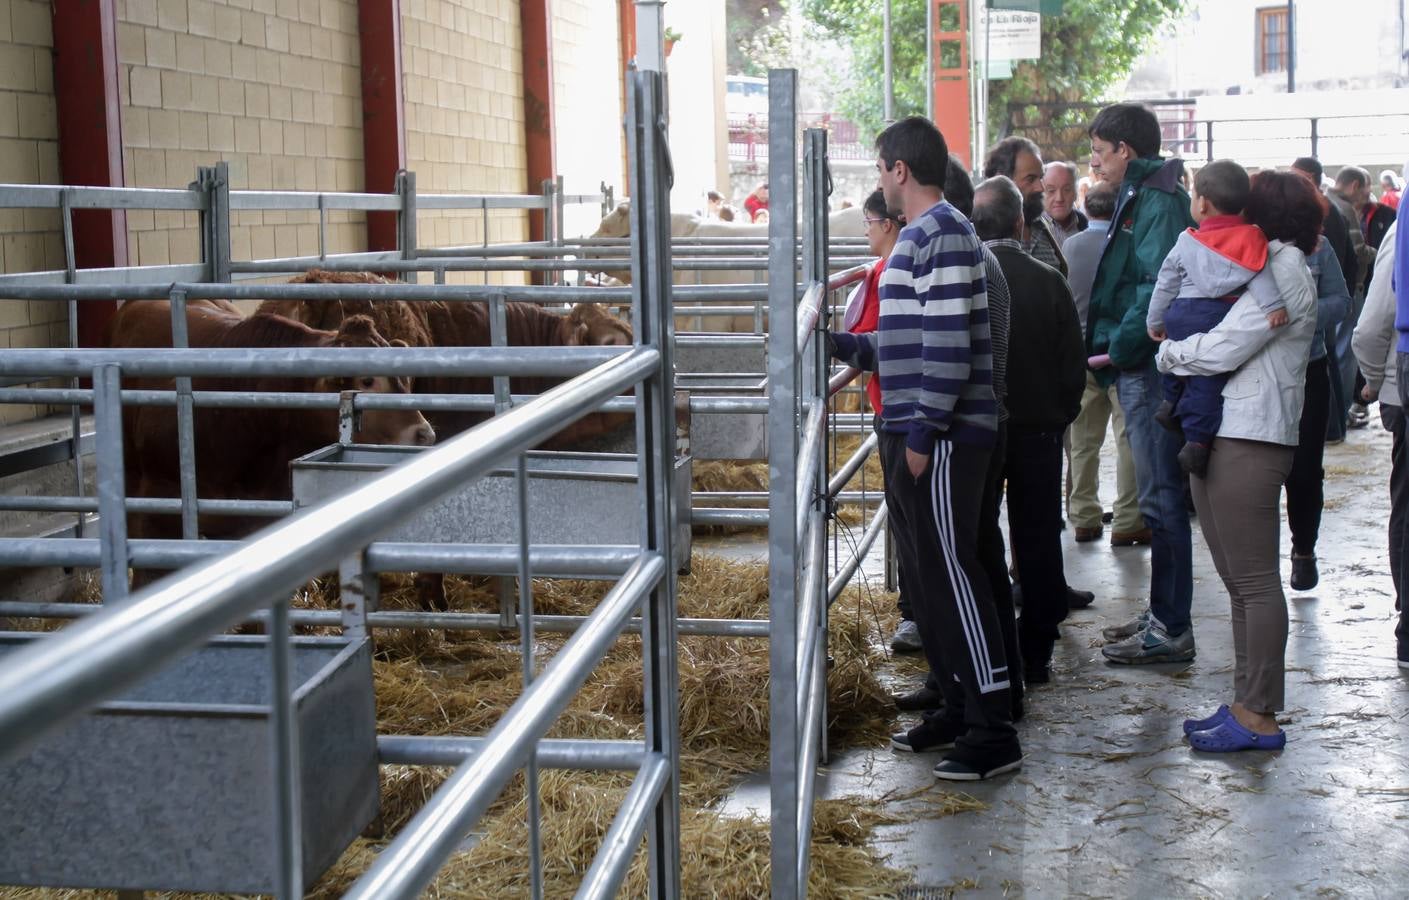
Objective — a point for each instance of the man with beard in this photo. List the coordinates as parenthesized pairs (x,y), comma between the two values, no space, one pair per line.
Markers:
(1018,159)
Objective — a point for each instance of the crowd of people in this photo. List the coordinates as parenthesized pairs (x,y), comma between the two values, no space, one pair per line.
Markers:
(1223,327)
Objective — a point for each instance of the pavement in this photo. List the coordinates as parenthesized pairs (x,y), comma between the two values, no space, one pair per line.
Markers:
(1111,800)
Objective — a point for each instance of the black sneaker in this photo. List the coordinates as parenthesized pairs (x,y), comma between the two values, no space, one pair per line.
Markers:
(1035,674)
(1304,574)
(1193,459)
(920,699)
(930,735)
(978,766)
(1079,599)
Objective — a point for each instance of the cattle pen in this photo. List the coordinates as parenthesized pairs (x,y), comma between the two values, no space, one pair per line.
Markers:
(685,391)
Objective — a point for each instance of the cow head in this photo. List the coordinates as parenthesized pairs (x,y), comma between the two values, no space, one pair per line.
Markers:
(588,325)
(617,223)
(378,426)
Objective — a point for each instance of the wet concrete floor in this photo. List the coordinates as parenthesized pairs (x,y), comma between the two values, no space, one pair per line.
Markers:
(1112,802)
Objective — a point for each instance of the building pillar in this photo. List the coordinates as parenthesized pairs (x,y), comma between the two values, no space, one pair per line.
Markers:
(626,34)
(90,139)
(383,111)
(535,22)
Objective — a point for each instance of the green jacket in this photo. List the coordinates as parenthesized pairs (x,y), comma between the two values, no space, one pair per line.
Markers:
(1151,212)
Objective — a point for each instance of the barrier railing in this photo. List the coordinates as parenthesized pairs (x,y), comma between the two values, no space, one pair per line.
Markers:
(802,582)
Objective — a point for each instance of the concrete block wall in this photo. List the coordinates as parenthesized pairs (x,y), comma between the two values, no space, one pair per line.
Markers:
(462,77)
(270,86)
(30,239)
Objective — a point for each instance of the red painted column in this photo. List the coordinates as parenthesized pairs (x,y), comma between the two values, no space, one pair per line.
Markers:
(626,33)
(90,138)
(535,22)
(953,107)
(383,111)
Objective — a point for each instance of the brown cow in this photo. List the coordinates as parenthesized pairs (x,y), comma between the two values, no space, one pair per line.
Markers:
(466,324)
(241,453)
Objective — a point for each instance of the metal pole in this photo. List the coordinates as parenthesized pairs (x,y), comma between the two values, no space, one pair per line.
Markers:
(652,174)
(929,60)
(650,36)
(535,838)
(782,458)
(283,736)
(1315,138)
(185,422)
(107,414)
(888,101)
(75,413)
(1291,48)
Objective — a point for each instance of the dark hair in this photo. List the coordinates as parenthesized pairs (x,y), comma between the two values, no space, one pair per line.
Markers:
(1003,158)
(1286,207)
(1224,184)
(714,196)
(916,142)
(876,205)
(998,204)
(1311,166)
(1100,201)
(959,187)
(1132,124)
(1353,174)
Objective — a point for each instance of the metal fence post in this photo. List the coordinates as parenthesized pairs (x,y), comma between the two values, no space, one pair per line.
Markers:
(185,423)
(608,199)
(359,592)
(406,218)
(75,412)
(112,491)
(503,402)
(783,557)
(1208,140)
(652,175)
(819,188)
(214,182)
(1316,138)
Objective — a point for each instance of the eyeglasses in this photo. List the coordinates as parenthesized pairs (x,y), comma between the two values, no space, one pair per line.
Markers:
(871,221)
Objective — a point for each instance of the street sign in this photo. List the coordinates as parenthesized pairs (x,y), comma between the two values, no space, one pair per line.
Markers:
(1012,35)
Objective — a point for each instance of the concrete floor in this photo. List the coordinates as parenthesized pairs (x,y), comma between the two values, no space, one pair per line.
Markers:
(1112,802)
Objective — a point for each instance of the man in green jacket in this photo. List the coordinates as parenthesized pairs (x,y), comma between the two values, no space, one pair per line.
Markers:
(1152,209)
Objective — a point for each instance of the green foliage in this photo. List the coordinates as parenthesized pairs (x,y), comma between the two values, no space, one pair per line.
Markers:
(757,38)
(1086,51)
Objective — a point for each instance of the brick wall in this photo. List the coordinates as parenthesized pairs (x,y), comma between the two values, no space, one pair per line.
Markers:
(462,65)
(270,86)
(29,154)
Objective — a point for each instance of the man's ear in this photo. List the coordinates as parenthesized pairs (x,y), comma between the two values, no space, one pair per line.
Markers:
(902,171)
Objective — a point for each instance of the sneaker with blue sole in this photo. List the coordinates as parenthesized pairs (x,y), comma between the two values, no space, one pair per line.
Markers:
(1229,736)
(1213,721)
(1153,645)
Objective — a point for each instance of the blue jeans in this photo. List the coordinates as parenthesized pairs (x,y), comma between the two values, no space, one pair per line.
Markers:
(1160,482)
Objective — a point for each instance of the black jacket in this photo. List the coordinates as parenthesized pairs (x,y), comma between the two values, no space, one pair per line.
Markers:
(1046,351)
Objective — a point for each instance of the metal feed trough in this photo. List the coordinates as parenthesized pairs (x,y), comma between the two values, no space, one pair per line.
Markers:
(171,785)
(573,498)
(733,366)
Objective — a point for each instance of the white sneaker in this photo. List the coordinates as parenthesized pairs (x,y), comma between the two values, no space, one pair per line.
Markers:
(906,638)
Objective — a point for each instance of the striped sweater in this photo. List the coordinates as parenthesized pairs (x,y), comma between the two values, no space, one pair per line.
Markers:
(932,352)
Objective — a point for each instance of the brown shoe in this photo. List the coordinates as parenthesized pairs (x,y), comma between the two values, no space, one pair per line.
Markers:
(1130,538)
(1088,534)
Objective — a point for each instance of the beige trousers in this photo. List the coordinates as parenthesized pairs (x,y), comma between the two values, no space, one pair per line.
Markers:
(1239,504)
(1087,434)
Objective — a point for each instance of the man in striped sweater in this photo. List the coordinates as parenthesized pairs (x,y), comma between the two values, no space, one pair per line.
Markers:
(933,358)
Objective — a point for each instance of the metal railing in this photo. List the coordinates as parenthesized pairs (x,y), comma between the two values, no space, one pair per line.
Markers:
(178,612)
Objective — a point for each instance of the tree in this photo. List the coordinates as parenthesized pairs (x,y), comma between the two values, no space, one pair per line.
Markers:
(1087,50)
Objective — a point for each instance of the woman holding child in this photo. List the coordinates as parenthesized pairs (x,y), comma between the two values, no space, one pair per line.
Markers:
(1251,454)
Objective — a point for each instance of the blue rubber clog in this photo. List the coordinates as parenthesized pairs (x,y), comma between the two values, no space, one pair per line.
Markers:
(1230,737)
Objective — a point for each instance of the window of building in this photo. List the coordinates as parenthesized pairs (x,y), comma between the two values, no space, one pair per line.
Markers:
(1272,40)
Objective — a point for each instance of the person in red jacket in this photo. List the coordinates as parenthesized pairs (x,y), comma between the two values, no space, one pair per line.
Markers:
(863,310)
(756,201)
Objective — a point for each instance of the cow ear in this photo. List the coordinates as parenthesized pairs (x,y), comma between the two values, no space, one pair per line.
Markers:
(359,330)
(580,333)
